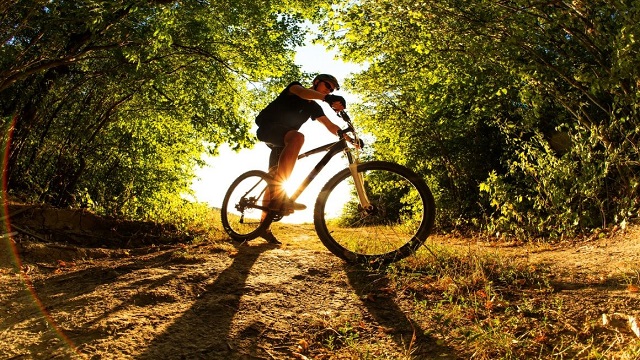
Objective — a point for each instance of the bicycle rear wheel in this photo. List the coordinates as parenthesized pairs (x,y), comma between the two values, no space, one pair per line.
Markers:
(398,223)
(242,207)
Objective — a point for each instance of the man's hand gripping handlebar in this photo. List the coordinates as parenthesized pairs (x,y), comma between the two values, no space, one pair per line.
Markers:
(357,142)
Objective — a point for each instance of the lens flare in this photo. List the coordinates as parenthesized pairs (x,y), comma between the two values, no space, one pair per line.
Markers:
(7,242)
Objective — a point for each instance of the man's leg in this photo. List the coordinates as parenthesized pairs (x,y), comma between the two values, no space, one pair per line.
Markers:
(267,197)
(293,141)
(274,196)
(274,158)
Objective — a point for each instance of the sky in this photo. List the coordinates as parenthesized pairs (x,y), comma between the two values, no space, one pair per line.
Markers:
(214,179)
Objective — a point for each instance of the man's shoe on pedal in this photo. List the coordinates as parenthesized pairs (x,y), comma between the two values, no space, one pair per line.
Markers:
(290,204)
(286,205)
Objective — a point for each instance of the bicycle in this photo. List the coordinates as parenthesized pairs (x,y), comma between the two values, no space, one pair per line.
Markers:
(374,212)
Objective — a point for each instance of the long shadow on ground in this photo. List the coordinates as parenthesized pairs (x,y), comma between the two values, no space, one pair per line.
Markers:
(69,292)
(202,331)
(407,334)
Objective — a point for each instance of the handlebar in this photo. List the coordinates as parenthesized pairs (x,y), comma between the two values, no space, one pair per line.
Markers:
(343,114)
(349,129)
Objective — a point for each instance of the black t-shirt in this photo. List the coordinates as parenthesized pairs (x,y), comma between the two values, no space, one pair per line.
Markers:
(289,110)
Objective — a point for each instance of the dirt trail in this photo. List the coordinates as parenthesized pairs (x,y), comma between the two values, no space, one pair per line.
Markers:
(251,301)
(254,302)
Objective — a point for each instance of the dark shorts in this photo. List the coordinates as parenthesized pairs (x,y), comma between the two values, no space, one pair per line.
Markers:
(273,136)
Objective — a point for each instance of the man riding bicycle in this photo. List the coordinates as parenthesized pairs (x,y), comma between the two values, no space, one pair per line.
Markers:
(278,126)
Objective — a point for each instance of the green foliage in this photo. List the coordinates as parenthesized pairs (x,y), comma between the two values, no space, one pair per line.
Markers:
(112,103)
(474,95)
(552,185)
(421,103)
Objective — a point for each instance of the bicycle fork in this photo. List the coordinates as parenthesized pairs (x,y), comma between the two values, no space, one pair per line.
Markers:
(358,181)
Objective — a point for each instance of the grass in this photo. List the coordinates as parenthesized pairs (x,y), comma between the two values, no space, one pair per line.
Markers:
(348,337)
(491,306)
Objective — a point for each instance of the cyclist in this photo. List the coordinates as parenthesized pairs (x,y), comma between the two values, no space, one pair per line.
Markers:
(278,126)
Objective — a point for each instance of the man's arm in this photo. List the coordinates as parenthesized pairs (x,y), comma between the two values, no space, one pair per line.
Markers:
(337,104)
(333,128)
(307,94)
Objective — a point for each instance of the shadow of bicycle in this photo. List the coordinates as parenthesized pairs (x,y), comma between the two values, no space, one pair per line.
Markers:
(372,287)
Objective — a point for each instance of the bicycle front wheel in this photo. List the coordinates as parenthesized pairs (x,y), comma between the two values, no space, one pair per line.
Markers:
(398,222)
(242,208)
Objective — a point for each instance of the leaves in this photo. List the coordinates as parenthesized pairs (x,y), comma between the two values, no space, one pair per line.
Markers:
(463,90)
(113,102)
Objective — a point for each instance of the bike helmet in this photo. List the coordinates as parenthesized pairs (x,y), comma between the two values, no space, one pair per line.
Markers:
(329,78)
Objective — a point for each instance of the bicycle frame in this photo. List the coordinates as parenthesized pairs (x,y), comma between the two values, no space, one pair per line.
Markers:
(332,150)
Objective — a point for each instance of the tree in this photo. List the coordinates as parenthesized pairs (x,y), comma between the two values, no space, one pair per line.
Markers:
(111,103)
(474,94)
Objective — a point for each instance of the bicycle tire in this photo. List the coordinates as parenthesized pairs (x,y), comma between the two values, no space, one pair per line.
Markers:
(400,222)
(241,209)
